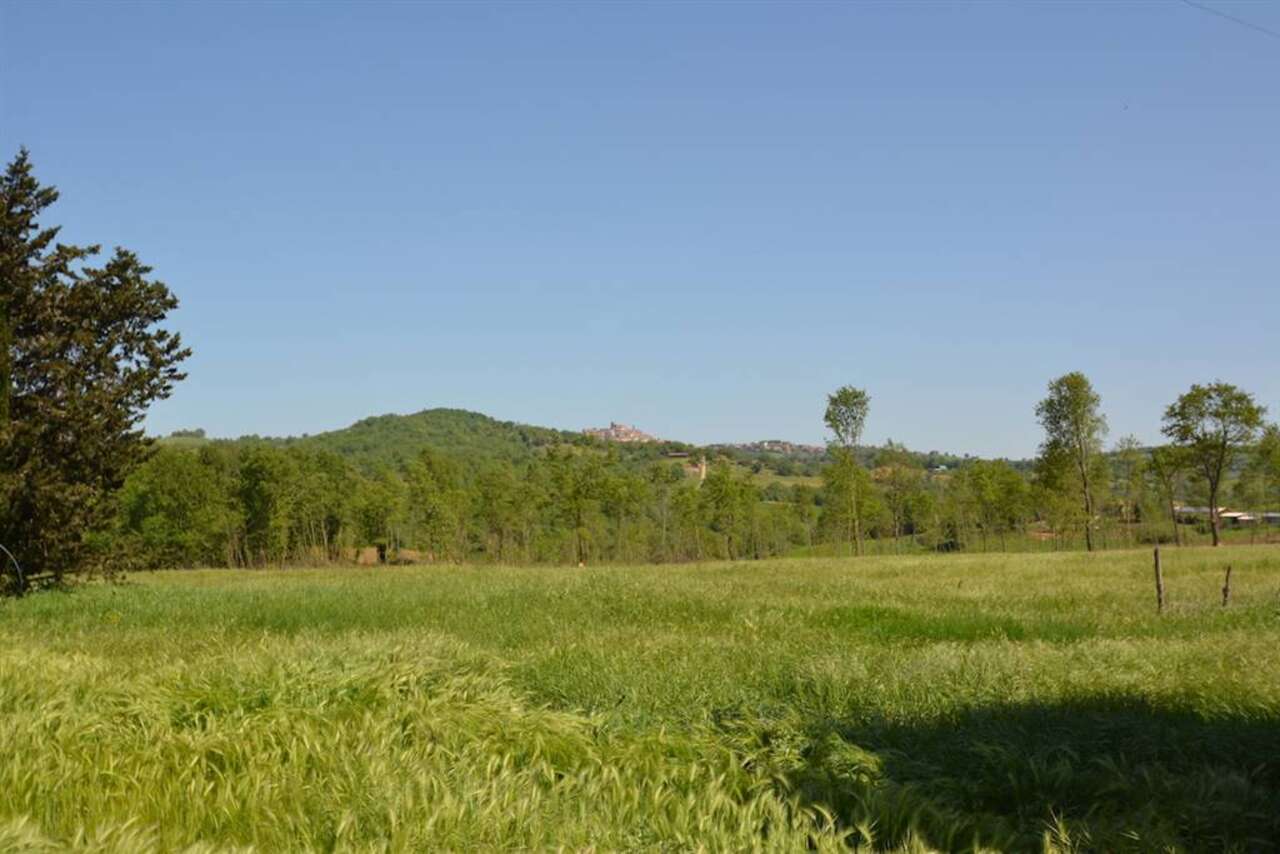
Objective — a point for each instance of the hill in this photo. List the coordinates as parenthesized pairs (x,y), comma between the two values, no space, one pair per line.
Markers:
(393,439)
(396,439)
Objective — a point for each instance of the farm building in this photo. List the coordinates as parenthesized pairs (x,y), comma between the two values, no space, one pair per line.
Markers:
(1228,518)
(1187,513)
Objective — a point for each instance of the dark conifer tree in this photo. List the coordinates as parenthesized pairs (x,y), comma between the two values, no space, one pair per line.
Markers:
(84,356)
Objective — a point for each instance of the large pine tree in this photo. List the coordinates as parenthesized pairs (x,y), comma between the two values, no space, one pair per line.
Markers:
(83,357)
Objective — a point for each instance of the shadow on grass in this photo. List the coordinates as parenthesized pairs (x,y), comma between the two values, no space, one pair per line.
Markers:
(1103,774)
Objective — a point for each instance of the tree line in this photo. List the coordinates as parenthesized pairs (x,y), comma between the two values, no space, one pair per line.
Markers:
(255,503)
(1076,491)
(84,352)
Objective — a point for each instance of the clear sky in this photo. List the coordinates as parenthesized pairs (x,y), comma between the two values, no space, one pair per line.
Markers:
(699,218)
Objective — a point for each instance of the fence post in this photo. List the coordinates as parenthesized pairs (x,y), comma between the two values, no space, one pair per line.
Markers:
(1226,587)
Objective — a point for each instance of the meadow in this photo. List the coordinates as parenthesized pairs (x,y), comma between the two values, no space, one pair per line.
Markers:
(1021,702)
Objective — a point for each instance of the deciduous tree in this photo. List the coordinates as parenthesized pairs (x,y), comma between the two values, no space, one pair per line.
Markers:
(1266,462)
(1074,429)
(903,482)
(1212,423)
(845,417)
(1169,466)
(1130,465)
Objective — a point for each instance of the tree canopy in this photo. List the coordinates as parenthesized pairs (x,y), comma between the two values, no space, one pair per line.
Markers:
(1212,423)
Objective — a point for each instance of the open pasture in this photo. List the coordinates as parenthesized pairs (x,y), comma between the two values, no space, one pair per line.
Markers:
(961,702)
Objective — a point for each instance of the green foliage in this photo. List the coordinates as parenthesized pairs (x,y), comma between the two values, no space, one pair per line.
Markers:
(989,497)
(502,493)
(904,486)
(435,506)
(379,509)
(1129,478)
(847,497)
(1262,473)
(177,509)
(254,503)
(846,414)
(1168,466)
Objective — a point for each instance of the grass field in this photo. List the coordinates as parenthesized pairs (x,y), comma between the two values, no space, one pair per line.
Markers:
(994,702)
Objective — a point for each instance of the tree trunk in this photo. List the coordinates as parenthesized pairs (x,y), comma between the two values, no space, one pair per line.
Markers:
(1088,518)
(6,366)
(857,521)
(1159,583)
(1173,516)
(1213,512)
(666,551)
(1088,507)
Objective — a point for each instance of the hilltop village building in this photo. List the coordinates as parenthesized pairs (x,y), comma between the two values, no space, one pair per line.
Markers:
(616,432)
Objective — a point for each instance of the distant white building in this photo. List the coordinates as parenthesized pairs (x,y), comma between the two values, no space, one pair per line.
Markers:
(1229,518)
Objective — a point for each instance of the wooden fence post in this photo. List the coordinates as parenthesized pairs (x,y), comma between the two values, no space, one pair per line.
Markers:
(1159,584)
(1226,588)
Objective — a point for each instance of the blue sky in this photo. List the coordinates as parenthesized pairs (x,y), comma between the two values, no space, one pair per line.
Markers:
(699,218)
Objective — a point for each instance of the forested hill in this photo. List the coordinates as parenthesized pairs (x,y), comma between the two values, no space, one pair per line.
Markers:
(395,440)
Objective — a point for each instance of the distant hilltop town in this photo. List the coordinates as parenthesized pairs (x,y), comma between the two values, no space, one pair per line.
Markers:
(779,446)
(616,432)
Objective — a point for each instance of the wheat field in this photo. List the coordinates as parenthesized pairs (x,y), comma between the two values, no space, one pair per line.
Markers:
(957,702)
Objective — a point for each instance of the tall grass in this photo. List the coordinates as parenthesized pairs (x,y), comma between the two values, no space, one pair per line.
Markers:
(919,703)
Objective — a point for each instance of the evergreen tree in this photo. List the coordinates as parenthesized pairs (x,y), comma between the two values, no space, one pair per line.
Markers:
(83,357)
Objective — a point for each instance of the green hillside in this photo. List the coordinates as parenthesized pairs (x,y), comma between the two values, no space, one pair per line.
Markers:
(391,440)
(396,439)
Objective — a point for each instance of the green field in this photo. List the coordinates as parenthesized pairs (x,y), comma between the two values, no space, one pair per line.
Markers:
(998,702)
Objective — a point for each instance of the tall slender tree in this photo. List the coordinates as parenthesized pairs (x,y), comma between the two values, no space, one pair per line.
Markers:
(1169,465)
(1129,462)
(1213,423)
(1074,428)
(1266,464)
(846,416)
(902,482)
